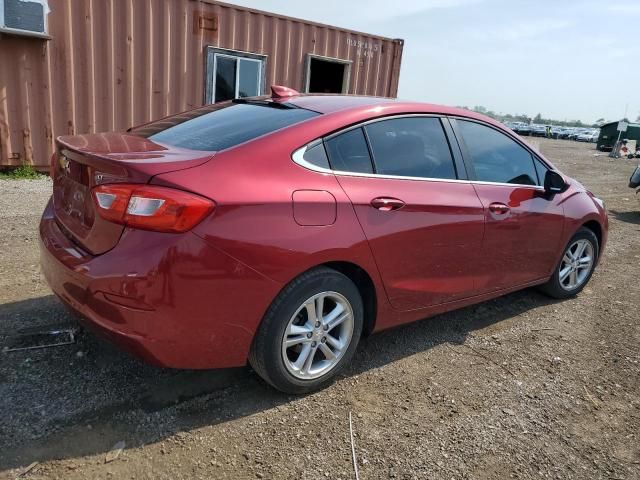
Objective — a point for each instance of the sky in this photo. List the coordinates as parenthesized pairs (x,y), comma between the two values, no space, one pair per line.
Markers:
(565,59)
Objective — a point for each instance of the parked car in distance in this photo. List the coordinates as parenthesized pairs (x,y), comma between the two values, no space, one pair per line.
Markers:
(279,230)
(555,132)
(560,132)
(538,130)
(590,136)
(522,129)
(576,133)
(565,133)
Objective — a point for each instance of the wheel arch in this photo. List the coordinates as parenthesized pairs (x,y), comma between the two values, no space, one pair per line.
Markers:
(361,279)
(596,228)
(364,283)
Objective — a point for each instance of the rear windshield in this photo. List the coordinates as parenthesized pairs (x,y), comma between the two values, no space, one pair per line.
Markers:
(216,127)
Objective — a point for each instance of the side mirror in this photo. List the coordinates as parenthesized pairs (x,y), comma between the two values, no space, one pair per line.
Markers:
(554,183)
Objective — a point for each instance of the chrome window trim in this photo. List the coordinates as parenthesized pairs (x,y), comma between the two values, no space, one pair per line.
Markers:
(382,119)
(298,157)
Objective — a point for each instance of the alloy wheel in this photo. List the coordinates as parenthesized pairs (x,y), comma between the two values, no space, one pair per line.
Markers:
(576,264)
(317,335)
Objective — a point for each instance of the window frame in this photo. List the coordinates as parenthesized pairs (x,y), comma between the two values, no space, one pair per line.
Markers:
(27,33)
(210,70)
(468,161)
(536,158)
(454,148)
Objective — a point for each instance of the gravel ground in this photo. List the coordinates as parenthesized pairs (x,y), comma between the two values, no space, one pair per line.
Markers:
(518,387)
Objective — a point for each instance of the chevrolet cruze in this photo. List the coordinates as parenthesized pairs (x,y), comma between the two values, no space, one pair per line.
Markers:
(279,230)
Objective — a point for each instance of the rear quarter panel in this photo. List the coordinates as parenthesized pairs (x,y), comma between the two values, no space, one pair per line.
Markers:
(253,186)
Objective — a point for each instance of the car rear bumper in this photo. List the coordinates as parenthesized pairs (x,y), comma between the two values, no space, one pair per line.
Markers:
(171,300)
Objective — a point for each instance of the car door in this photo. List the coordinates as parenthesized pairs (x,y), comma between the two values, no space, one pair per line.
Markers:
(423,224)
(523,225)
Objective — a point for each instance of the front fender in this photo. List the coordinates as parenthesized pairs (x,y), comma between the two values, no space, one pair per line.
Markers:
(580,210)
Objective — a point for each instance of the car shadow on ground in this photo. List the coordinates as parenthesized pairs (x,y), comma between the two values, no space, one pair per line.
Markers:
(628,217)
(72,401)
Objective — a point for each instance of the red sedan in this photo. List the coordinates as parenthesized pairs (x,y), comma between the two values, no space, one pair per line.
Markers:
(280,230)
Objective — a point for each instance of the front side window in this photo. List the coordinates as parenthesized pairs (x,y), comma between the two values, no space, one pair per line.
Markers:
(348,152)
(411,147)
(496,157)
(541,170)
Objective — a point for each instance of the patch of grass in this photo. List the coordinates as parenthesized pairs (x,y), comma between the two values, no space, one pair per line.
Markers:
(22,172)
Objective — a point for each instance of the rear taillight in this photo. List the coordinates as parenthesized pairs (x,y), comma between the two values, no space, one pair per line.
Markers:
(150,207)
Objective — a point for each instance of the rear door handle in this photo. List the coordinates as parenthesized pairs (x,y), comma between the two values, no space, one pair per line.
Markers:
(386,204)
(499,208)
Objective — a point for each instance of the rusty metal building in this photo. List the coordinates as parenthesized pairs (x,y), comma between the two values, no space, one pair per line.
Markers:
(83,66)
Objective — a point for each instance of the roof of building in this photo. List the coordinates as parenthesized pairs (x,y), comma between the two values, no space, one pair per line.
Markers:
(300,20)
(631,124)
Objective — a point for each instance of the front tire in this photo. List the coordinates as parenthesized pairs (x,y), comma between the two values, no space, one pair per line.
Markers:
(309,333)
(575,267)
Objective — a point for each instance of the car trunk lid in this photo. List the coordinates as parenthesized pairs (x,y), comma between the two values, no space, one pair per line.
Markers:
(84,161)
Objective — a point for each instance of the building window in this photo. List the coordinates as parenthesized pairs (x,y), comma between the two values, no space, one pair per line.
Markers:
(326,74)
(232,74)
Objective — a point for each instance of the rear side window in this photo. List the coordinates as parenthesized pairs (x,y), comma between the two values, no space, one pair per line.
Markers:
(348,152)
(317,156)
(411,147)
(217,127)
(496,157)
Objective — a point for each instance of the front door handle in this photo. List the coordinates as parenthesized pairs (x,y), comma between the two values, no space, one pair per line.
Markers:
(386,204)
(499,208)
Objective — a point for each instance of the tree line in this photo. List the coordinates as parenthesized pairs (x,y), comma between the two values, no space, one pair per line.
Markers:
(539,119)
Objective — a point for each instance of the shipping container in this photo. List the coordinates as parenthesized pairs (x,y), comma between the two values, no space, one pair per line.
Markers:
(103,65)
(609,135)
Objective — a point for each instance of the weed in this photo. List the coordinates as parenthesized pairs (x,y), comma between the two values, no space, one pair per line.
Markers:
(24,171)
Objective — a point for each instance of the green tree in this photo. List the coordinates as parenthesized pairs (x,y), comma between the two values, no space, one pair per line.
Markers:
(537,118)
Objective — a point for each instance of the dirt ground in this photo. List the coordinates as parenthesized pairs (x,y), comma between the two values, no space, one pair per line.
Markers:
(518,387)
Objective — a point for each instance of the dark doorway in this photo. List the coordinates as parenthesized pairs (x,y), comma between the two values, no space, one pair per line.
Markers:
(326,76)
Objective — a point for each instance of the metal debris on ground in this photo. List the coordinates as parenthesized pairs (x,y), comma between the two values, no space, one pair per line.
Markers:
(37,340)
(115,452)
(29,467)
(353,448)
(591,399)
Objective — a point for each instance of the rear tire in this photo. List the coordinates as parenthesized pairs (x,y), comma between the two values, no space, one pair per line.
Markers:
(576,266)
(309,333)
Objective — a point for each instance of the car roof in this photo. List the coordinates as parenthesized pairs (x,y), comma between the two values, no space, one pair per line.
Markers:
(334,103)
(329,103)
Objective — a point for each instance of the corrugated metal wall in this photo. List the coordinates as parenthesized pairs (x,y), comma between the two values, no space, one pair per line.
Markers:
(112,64)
